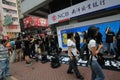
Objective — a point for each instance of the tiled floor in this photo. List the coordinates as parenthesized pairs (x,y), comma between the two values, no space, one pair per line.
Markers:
(39,71)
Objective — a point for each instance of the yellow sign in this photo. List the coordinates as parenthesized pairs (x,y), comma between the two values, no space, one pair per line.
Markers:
(64,38)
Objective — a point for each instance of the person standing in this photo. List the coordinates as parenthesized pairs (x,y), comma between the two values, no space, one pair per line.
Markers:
(18,49)
(99,40)
(84,34)
(72,53)
(97,73)
(47,44)
(110,38)
(99,37)
(13,56)
(118,45)
(32,41)
(8,45)
(27,50)
(12,43)
(77,41)
(4,61)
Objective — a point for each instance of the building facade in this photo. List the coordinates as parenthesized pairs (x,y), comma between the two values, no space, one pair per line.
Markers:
(75,15)
(9,18)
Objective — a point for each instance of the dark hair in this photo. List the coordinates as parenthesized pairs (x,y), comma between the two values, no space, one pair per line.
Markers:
(31,36)
(92,30)
(69,35)
(18,38)
(84,32)
(24,37)
(76,34)
(2,41)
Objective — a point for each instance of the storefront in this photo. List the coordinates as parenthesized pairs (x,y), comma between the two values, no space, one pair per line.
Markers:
(77,18)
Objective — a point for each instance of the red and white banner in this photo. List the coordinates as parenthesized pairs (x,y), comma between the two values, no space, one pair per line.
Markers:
(35,22)
(28,22)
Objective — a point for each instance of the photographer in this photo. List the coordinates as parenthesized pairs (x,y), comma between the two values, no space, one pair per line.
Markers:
(97,73)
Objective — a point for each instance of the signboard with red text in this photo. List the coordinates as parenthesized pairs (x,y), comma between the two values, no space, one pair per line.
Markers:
(35,22)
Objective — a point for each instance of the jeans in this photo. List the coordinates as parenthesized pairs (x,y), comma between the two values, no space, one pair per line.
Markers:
(111,47)
(4,70)
(97,73)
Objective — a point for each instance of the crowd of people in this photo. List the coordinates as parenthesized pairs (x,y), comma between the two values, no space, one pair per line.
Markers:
(25,48)
(93,44)
(111,43)
(28,47)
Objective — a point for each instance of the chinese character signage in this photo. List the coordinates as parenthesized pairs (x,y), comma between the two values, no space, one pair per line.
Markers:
(35,21)
(80,9)
(28,22)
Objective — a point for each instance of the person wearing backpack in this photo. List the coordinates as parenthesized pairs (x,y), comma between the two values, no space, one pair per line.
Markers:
(97,72)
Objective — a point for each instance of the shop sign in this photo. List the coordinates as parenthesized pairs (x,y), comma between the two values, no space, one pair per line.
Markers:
(35,22)
(80,9)
(12,27)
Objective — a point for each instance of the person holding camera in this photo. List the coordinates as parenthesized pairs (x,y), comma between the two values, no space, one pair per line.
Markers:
(97,73)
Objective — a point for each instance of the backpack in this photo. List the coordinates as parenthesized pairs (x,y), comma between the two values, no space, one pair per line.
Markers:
(55,63)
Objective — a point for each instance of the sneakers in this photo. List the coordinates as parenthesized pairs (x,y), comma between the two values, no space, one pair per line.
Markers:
(69,72)
(114,56)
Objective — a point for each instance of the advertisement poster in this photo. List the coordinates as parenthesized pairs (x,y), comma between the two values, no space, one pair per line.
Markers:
(114,25)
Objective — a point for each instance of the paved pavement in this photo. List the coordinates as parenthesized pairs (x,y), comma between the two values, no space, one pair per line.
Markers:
(39,71)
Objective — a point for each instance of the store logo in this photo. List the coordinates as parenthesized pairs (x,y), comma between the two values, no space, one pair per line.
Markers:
(54,17)
(63,15)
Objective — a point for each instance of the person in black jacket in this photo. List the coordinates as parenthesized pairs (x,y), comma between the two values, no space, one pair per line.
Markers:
(77,41)
(32,42)
(99,37)
(27,48)
(118,44)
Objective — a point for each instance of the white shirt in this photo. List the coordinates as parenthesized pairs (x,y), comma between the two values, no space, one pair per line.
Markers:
(92,43)
(73,45)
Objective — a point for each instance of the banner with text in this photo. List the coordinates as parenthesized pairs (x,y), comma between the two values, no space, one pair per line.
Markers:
(80,9)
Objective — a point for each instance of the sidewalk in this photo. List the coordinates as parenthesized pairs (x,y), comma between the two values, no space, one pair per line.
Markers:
(39,71)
